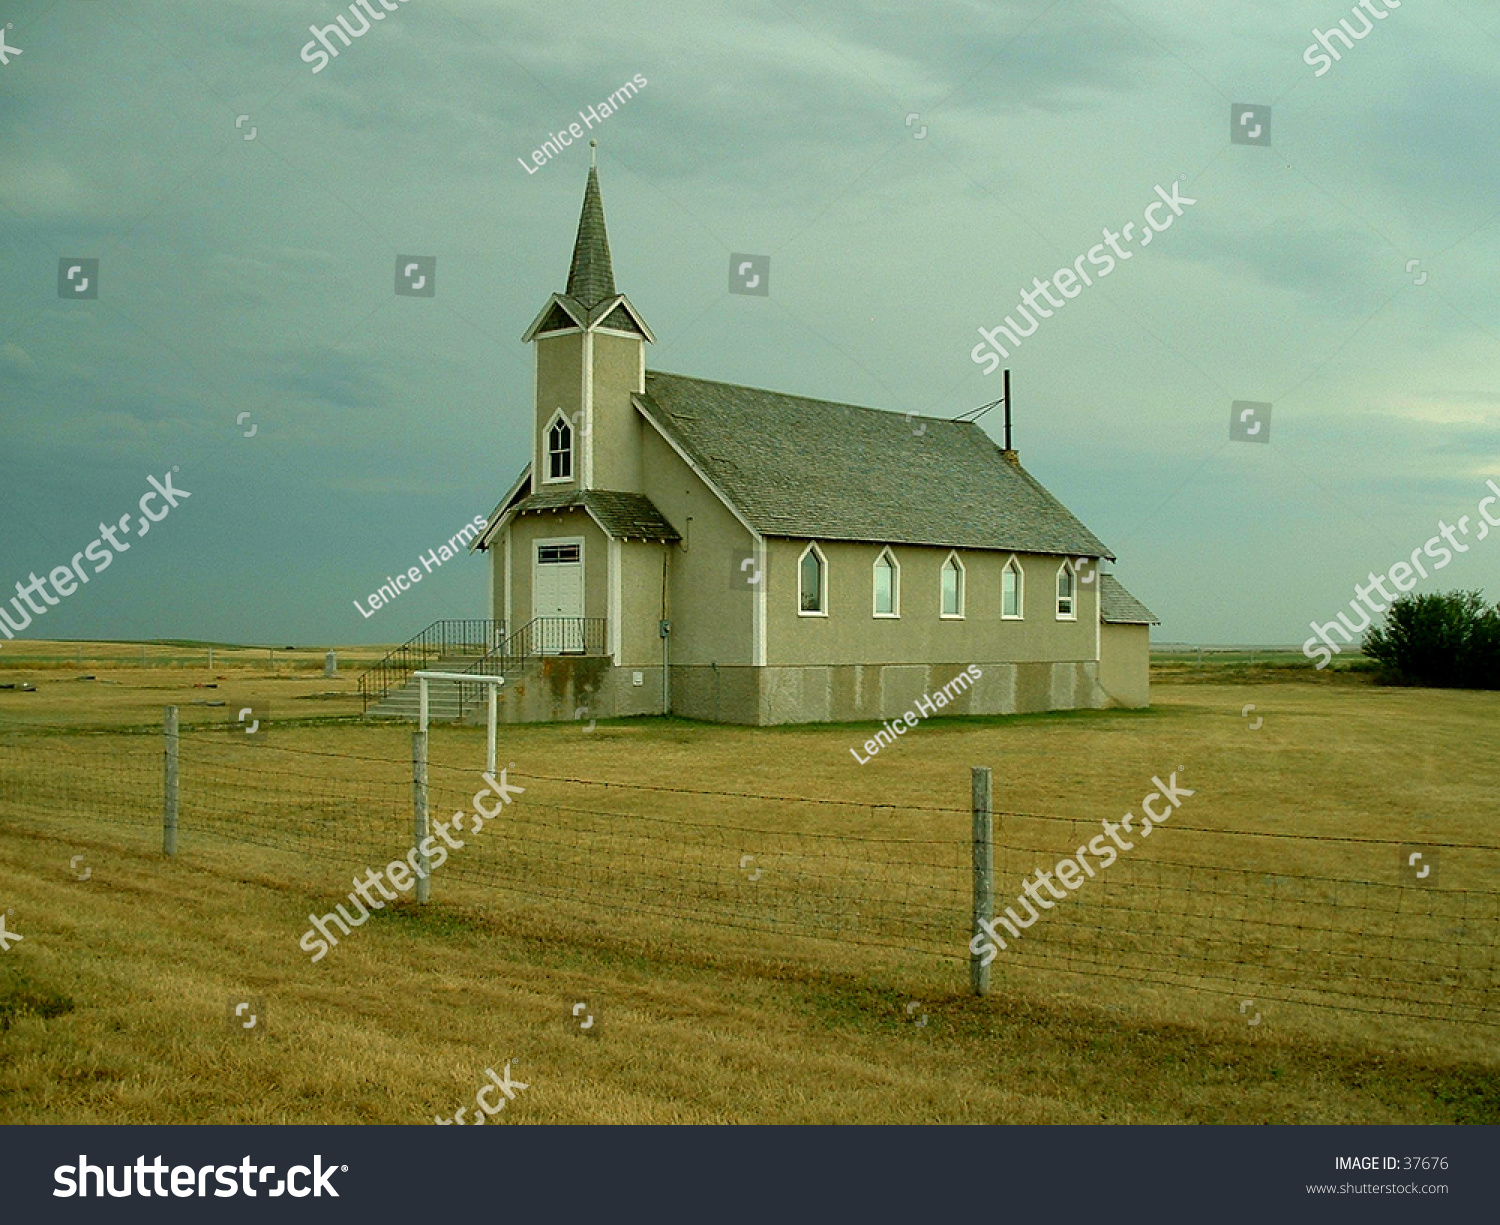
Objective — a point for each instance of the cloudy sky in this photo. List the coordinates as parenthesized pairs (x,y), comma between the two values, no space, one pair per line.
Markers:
(908,169)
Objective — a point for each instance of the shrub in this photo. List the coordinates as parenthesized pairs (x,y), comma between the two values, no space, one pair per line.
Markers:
(1450,640)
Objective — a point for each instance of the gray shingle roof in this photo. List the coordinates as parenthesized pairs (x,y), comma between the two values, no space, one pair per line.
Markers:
(591,279)
(815,469)
(1118,606)
(625,516)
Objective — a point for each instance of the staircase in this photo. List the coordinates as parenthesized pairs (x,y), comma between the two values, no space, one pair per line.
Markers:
(452,700)
(449,646)
(443,698)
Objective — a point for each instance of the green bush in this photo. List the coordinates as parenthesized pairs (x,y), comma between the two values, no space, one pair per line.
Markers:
(1450,640)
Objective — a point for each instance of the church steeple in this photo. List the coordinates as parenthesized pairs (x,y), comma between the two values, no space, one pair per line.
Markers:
(590,362)
(591,279)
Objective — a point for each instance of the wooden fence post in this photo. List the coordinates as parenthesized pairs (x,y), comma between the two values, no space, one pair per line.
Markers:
(419,812)
(169,787)
(984,870)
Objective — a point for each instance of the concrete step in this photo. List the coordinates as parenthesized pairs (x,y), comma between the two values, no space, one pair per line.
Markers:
(442,696)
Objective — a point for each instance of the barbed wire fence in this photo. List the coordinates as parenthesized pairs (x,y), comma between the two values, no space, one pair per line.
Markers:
(1326,921)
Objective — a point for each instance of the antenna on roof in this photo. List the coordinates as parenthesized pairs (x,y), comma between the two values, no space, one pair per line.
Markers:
(973,414)
(593,144)
(1007,408)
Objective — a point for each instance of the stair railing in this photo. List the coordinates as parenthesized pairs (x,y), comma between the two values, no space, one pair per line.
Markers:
(441,639)
(538,638)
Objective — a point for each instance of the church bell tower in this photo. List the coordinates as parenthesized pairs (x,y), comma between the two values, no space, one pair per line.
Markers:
(590,358)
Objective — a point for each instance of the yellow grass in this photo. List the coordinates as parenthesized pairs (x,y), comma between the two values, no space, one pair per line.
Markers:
(116,1000)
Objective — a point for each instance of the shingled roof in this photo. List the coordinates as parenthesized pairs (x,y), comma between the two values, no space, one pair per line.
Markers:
(1119,607)
(625,516)
(819,470)
(591,279)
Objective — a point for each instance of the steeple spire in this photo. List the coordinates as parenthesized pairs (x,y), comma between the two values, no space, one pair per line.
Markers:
(591,279)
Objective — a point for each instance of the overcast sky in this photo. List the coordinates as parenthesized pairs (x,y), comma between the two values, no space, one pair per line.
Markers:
(256,276)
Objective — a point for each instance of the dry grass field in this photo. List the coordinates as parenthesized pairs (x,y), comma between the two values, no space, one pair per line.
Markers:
(833,988)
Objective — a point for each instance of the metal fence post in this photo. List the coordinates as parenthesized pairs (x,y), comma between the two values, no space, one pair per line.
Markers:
(169,787)
(419,811)
(984,870)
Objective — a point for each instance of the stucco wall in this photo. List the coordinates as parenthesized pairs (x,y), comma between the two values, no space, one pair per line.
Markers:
(851,633)
(613,436)
(526,531)
(1125,666)
(713,617)
(616,431)
(640,604)
(559,385)
(640,565)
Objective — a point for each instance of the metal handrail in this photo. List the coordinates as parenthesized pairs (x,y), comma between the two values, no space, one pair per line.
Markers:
(538,638)
(467,636)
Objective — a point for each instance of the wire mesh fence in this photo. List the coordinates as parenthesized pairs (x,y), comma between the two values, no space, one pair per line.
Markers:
(1340,922)
(759,863)
(1328,921)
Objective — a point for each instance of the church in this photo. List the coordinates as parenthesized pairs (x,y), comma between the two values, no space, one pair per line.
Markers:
(685,546)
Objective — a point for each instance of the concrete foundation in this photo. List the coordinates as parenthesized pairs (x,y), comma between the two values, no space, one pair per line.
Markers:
(568,688)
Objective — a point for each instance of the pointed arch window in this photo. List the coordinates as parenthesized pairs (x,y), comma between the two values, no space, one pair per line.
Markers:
(1013,591)
(887,585)
(812,583)
(1067,592)
(559,449)
(953,588)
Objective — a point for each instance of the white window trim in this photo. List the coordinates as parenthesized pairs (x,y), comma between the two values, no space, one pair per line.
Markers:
(895,613)
(963,587)
(547,477)
(1057,597)
(540,542)
(1013,564)
(822,580)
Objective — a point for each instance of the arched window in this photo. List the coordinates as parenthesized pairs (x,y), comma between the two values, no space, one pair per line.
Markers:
(953,587)
(1067,593)
(812,583)
(1013,591)
(887,585)
(559,450)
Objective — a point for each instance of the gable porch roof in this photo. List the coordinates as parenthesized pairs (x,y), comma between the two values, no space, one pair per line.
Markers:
(622,516)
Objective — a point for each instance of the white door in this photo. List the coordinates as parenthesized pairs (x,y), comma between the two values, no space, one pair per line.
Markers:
(557,597)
